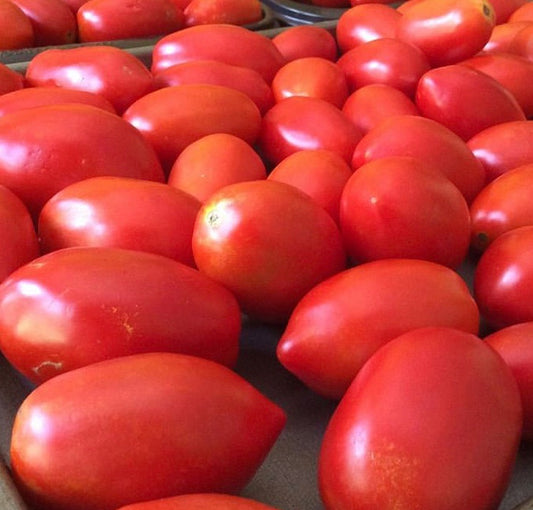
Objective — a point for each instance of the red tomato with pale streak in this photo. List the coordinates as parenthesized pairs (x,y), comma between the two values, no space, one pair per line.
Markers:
(522,44)
(299,41)
(253,237)
(465,100)
(388,61)
(214,161)
(514,344)
(112,72)
(407,408)
(138,418)
(16,30)
(523,12)
(234,12)
(503,279)
(98,212)
(447,31)
(107,20)
(9,80)
(320,173)
(111,302)
(172,118)
(339,324)
(402,207)
(303,123)
(502,36)
(428,140)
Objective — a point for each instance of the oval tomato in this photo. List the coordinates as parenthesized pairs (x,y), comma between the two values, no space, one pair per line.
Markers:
(9,80)
(521,43)
(233,12)
(523,11)
(298,41)
(341,322)
(137,418)
(504,9)
(409,404)
(16,30)
(502,36)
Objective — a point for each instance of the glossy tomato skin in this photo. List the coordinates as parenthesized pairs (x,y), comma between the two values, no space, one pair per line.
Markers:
(137,418)
(10,80)
(409,403)
(252,238)
(234,12)
(523,12)
(502,36)
(299,41)
(341,322)
(521,42)
(504,9)
(15,27)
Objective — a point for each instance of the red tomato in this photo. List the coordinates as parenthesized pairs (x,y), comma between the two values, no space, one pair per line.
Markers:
(404,199)
(74,5)
(426,139)
(504,9)
(46,148)
(502,35)
(311,77)
(522,12)
(16,30)
(407,408)
(234,12)
(112,72)
(522,42)
(252,237)
(303,123)
(139,418)
(107,20)
(386,60)
(98,212)
(299,41)
(172,118)
(110,302)
(447,31)
(465,100)
(9,80)
(341,322)
(214,161)
(503,279)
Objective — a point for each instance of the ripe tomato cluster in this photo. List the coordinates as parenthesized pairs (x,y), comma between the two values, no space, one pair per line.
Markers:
(364,187)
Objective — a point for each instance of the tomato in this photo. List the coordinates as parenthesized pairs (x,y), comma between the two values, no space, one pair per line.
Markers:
(320,173)
(502,35)
(231,44)
(303,123)
(137,418)
(504,9)
(514,345)
(432,393)
(252,238)
(9,80)
(428,140)
(46,148)
(465,100)
(370,104)
(74,5)
(112,72)
(386,60)
(97,212)
(312,77)
(523,12)
(521,43)
(235,12)
(107,20)
(299,41)
(503,147)
(366,22)
(214,161)
(171,118)
(447,31)
(16,30)
(503,279)
(128,301)
(339,324)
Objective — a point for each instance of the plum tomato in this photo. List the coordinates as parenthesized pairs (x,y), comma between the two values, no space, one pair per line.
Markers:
(10,80)
(505,9)
(233,12)
(523,11)
(16,30)
(298,41)
(521,44)
(502,36)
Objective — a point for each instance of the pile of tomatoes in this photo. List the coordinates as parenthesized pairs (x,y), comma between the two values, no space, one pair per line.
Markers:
(331,183)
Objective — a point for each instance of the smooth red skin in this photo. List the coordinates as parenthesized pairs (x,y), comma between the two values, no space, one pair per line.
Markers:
(502,147)
(401,207)
(502,36)
(303,123)
(55,146)
(214,161)
(523,12)
(320,173)
(16,30)
(252,237)
(514,344)
(110,302)
(31,97)
(426,139)
(214,72)
(299,41)
(231,44)
(389,61)
(236,12)
(172,118)
(112,72)
(504,9)
(365,22)
(98,212)
(447,31)
(522,42)
(17,231)
(10,80)
(465,100)
(407,408)
(311,77)
(137,418)
(369,105)
(344,320)
(107,20)
(503,279)
(74,5)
